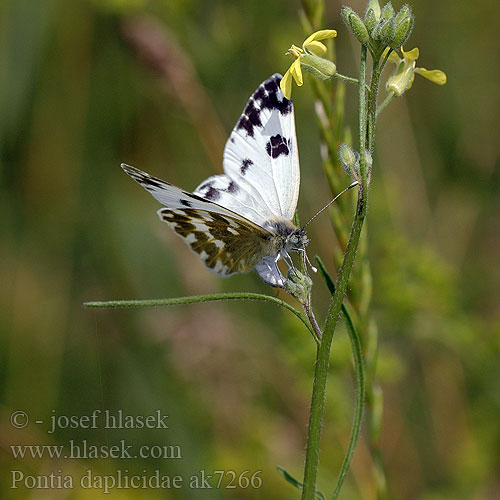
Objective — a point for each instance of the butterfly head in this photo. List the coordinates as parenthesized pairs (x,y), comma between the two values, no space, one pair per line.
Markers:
(297,240)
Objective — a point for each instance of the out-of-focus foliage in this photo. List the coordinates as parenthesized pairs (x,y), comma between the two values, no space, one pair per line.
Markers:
(76,100)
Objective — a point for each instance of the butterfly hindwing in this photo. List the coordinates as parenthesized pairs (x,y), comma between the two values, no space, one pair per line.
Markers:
(261,163)
(224,243)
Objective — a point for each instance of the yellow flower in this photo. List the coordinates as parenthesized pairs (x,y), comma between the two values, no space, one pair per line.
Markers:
(310,56)
(404,74)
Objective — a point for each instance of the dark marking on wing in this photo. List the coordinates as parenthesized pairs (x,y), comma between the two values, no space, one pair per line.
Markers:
(143,178)
(276,146)
(245,164)
(212,194)
(267,96)
(244,243)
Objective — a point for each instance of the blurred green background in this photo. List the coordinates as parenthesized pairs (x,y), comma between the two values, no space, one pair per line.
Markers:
(77,98)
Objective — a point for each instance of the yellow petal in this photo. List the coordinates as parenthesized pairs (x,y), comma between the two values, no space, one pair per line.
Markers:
(434,75)
(286,85)
(320,35)
(296,72)
(317,48)
(394,58)
(411,55)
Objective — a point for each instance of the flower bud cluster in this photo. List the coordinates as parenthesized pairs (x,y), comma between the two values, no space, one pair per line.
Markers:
(298,285)
(381,27)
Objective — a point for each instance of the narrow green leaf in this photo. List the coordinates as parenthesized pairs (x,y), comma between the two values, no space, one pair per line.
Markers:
(194,299)
(295,482)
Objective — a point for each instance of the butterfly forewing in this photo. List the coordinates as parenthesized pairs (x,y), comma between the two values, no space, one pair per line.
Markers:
(261,164)
(170,195)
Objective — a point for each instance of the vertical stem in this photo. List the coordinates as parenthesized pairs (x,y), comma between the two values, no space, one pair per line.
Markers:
(323,353)
(374,392)
(372,104)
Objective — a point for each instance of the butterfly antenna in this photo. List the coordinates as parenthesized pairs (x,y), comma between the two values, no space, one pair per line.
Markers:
(355,183)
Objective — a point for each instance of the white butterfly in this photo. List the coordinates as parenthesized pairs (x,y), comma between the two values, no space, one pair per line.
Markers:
(242,219)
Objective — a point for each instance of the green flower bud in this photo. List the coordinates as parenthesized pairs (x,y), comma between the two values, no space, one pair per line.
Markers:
(377,32)
(370,20)
(375,6)
(354,22)
(358,28)
(298,285)
(387,11)
(318,66)
(349,159)
(345,12)
(403,13)
(403,31)
(388,30)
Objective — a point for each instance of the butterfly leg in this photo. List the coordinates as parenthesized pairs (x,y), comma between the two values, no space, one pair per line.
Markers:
(305,260)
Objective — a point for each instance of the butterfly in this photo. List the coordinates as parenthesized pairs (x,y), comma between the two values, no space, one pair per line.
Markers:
(242,219)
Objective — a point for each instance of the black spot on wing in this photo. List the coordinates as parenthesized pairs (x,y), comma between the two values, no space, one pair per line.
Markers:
(252,113)
(209,192)
(276,146)
(245,165)
(212,194)
(245,124)
(186,203)
(233,187)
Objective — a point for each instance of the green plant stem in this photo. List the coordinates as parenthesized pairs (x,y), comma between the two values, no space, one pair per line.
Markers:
(360,383)
(323,353)
(203,298)
(312,319)
(374,393)
(348,79)
(345,78)
(385,102)
(372,104)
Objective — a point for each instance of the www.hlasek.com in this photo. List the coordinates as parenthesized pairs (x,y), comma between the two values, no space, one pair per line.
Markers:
(82,449)
(124,479)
